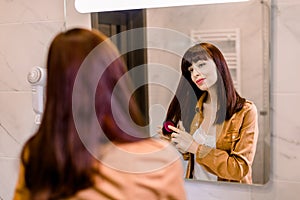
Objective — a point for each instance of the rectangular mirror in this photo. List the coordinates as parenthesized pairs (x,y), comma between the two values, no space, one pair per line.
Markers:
(162,35)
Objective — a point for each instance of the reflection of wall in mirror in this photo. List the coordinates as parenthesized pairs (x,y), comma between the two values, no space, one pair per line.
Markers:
(248,18)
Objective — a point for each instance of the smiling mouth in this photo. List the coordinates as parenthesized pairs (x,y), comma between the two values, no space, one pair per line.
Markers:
(200,81)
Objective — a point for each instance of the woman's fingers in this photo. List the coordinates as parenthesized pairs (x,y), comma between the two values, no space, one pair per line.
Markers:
(174,140)
(177,130)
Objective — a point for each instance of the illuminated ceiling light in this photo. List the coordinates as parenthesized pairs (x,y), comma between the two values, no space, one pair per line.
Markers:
(89,6)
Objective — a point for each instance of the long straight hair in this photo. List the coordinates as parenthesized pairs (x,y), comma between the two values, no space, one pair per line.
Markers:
(182,106)
(57,163)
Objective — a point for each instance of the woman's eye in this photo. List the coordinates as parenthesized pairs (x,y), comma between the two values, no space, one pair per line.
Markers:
(200,65)
(190,69)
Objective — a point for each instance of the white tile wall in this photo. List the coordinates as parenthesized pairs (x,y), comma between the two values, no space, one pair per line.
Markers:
(9,174)
(16,122)
(286,141)
(29,43)
(24,11)
(287,42)
(26,27)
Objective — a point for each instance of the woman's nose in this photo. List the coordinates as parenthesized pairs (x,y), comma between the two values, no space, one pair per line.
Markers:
(196,72)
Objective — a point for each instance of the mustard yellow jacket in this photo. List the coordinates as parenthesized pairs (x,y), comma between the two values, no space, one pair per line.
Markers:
(131,171)
(236,142)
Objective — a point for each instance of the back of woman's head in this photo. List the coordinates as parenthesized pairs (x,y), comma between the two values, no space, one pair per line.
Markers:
(58,158)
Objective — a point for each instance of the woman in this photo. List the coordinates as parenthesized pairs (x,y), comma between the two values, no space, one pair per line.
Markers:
(222,129)
(89,146)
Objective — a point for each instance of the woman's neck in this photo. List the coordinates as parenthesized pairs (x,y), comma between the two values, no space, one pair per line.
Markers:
(212,96)
(209,109)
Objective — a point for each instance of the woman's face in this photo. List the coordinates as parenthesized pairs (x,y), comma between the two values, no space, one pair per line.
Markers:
(204,73)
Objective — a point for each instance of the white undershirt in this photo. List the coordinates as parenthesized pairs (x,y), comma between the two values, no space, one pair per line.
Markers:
(209,140)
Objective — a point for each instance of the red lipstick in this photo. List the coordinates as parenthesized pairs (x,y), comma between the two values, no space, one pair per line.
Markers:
(200,81)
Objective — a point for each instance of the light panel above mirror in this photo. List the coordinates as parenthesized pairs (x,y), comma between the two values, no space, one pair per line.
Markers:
(89,6)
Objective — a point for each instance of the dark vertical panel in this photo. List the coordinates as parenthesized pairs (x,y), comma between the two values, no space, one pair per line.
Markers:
(111,23)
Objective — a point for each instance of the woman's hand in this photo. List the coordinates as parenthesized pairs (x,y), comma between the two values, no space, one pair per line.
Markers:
(183,141)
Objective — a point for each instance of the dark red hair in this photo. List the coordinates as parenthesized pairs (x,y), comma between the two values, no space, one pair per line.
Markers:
(56,160)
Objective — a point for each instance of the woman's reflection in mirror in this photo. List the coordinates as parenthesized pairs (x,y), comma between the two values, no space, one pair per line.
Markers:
(215,129)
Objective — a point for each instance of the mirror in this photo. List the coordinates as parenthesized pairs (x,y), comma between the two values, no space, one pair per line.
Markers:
(239,30)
